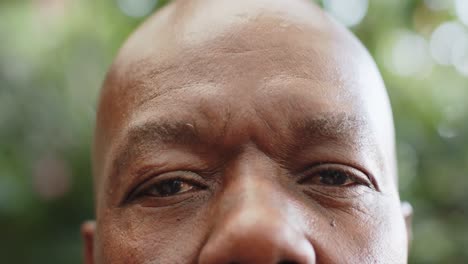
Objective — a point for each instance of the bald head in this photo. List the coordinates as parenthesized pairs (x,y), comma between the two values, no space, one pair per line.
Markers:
(218,114)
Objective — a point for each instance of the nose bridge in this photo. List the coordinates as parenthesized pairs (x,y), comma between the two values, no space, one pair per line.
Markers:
(253,206)
(253,225)
(252,193)
(253,196)
(250,178)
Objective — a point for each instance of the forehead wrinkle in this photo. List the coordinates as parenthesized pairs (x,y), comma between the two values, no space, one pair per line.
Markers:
(231,57)
(150,80)
(172,69)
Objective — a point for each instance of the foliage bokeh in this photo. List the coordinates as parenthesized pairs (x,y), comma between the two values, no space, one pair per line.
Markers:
(53,58)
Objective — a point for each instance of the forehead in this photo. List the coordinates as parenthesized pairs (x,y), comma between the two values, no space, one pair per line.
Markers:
(218,40)
(243,60)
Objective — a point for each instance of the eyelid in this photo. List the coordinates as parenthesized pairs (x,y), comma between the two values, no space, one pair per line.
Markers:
(351,171)
(153,178)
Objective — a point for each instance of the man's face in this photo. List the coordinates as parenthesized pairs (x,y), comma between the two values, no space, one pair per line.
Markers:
(270,143)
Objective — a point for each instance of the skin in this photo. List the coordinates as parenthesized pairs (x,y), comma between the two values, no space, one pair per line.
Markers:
(245,132)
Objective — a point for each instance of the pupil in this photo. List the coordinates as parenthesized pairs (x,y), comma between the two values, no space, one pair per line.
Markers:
(333,178)
(170,188)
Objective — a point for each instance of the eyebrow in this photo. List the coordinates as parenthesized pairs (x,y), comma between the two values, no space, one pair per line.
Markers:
(164,132)
(323,127)
(155,132)
(331,126)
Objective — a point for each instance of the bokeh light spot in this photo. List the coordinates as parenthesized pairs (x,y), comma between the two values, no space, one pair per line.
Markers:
(461,8)
(410,54)
(348,12)
(460,55)
(446,131)
(443,40)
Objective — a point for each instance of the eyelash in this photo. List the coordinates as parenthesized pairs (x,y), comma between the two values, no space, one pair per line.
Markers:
(157,179)
(349,172)
(314,172)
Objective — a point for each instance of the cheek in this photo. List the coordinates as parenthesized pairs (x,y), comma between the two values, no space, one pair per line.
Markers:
(389,237)
(148,235)
(367,232)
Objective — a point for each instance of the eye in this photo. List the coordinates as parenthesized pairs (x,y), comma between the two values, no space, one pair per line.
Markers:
(335,176)
(168,188)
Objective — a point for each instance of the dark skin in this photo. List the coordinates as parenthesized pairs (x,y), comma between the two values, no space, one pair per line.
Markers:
(245,132)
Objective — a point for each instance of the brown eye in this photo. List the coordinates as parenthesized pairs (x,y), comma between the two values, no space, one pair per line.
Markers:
(334,178)
(169,188)
(335,175)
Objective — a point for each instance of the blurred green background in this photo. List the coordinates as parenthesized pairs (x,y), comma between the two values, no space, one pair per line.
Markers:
(53,58)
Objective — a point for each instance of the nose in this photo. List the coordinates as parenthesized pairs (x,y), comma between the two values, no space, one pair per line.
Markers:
(257,229)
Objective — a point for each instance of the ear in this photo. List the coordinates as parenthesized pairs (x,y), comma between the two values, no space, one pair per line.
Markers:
(88,230)
(407,211)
